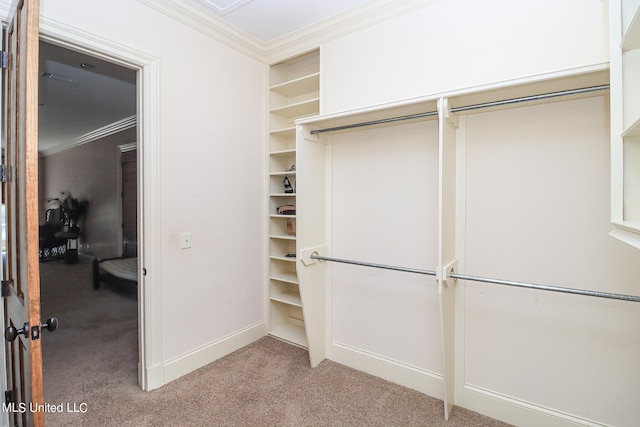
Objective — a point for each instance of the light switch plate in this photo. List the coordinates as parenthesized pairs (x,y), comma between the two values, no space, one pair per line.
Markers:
(185,240)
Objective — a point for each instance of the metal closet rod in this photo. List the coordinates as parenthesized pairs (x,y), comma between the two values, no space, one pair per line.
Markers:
(375,122)
(573,291)
(583,292)
(370,264)
(466,108)
(532,98)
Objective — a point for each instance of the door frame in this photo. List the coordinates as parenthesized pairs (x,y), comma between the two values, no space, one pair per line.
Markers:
(122,148)
(150,372)
(4,418)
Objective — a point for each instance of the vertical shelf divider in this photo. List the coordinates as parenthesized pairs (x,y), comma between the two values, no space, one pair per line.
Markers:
(447,263)
(312,237)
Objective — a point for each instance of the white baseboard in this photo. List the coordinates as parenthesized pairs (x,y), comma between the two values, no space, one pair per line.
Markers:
(154,378)
(494,405)
(423,381)
(518,412)
(189,362)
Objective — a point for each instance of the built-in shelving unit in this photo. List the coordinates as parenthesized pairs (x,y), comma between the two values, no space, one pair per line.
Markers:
(294,93)
(625,120)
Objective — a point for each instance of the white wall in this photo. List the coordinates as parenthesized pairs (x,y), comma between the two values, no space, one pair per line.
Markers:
(385,210)
(536,210)
(210,142)
(456,44)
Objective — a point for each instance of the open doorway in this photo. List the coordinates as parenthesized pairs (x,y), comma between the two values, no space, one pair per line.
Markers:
(87,112)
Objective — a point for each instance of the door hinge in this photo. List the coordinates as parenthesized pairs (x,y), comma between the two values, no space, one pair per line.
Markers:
(4,289)
(4,59)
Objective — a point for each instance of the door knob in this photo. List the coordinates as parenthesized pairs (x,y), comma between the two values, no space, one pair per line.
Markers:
(11,333)
(51,324)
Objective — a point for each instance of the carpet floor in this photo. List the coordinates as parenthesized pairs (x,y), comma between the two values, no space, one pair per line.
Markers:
(90,372)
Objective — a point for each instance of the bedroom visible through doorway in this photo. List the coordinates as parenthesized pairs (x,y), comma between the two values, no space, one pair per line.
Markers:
(87,111)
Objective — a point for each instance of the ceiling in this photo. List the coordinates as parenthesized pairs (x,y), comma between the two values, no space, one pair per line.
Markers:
(78,102)
(80,97)
(267,20)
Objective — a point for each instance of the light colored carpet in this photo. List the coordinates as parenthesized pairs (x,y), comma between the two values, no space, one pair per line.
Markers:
(92,360)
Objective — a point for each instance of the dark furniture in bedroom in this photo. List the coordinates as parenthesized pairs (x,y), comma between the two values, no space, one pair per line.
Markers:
(71,251)
(52,247)
(120,272)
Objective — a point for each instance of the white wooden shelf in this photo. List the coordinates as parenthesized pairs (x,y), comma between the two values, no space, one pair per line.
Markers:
(287,277)
(631,38)
(282,144)
(282,237)
(287,152)
(283,258)
(283,173)
(299,109)
(304,84)
(295,68)
(282,195)
(282,161)
(284,132)
(290,298)
(627,232)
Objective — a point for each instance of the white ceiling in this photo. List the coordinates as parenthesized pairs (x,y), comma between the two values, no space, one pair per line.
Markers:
(267,20)
(78,95)
(78,102)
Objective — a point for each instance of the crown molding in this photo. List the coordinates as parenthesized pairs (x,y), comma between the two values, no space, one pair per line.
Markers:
(357,18)
(305,39)
(103,132)
(210,25)
(124,148)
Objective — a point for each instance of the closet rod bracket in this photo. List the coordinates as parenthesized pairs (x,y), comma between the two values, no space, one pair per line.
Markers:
(308,255)
(307,134)
(444,108)
(444,273)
